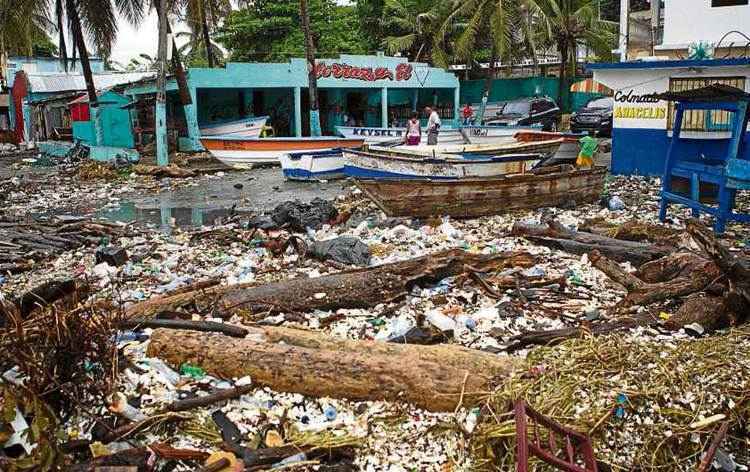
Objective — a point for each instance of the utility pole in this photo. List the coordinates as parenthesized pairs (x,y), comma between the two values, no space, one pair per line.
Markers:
(312,78)
(160,112)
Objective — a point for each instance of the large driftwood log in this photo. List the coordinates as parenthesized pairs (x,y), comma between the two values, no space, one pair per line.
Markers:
(556,236)
(633,230)
(359,288)
(436,378)
(642,293)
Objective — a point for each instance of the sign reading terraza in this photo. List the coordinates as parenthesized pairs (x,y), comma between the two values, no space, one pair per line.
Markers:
(345,71)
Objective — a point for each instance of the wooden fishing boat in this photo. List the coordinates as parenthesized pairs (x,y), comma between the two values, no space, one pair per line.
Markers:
(545,148)
(313,165)
(367,165)
(462,135)
(470,198)
(566,153)
(249,127)
(245,152)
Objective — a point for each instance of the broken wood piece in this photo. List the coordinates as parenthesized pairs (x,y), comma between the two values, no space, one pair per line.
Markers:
(356,288)
(708,311)
(221,395)
(315,364)
(680,264)
(165,451)
(135,457)
(204,326)
(216,465)
(132,428)
(163,171)
(708,458)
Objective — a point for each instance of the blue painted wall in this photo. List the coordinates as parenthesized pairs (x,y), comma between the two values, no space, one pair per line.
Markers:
(510,89)
(637,151)
(115,121)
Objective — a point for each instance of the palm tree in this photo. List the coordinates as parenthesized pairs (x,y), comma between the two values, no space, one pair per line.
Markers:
(502,26)
(202,16)
(412,25)
(568,24)
(194,50)
(312,78)
(25,23)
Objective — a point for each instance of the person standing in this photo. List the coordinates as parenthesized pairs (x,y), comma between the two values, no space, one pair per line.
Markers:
(433,125)
(589,147)
(413,130)
(468,113)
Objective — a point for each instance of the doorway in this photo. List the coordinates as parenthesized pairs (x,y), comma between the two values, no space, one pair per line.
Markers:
(356,107)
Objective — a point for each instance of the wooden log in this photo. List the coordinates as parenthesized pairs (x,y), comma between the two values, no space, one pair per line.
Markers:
(556,336)
(220,396)
(205,326)
(356,288)
(641,293)
(633,230)
(556,236)
(680,264)
(708,311)
(432,377)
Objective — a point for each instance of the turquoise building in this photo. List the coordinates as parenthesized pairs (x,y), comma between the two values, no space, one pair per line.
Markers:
(367,90)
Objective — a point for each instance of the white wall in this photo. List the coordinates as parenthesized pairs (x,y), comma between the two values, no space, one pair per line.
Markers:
(689,21)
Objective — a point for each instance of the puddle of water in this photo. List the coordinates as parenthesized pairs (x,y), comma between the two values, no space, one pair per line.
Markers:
(166,217)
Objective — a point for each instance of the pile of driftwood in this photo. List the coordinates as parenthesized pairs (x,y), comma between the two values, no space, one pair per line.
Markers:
(711,285)
(25,242)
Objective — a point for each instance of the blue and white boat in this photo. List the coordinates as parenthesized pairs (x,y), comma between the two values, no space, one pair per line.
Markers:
(462,135)
(249,127)
(369,165)
(313,165)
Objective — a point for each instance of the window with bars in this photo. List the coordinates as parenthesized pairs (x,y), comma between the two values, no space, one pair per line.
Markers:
(703,120)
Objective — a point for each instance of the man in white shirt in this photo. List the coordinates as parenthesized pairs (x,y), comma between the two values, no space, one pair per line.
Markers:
(433,125)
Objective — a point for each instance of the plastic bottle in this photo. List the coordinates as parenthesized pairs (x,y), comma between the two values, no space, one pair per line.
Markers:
(169,375)
(466,322)
(440,321)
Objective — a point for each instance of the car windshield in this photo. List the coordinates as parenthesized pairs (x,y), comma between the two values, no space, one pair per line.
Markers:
(604,102)
(520,107)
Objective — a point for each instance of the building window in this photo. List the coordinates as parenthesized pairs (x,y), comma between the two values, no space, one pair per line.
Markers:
(703,120)
(728,3)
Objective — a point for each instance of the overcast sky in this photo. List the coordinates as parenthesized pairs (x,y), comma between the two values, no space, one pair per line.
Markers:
(131,41)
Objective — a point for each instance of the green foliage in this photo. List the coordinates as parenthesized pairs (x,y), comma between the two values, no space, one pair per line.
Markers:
(268,30)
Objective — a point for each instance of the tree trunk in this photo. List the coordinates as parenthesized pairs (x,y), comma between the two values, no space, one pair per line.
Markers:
(360,288)
(81,46)
(436,378)
(563,73)
(179,70)
(488,84)
(312,77)
(207,37)
(160,124)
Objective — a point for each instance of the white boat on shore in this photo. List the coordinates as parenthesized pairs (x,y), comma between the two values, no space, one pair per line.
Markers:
(249,127)
(546,148)
(373,165)
(243,153)
(462,135)
(313,165)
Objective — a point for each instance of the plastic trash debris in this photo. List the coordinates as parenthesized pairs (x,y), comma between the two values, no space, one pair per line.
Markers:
(169,375)
(440,321)
(263,222)
(535,271)
(129,336)
(112,255)
(330,413)
(591,314)
(19,436)
(616,204)
(397,327)
(229,431)
(723,462)
(417,335)
(189,370)
(301,457)
(472,418)
(344,249)
(119,405)
(694,329)
(466,322)
(298,216)
(622,399)
(449,230)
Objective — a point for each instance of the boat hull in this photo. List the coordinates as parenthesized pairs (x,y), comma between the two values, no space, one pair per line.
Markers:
(566,153)
(313,165)
(545,148)
(471,198)
(244,153)
(470,134)
(244,128)
(364,165)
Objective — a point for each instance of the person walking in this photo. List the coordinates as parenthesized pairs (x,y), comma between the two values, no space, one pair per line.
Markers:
(589,147)
(468,113)
(433,125)
(413,130)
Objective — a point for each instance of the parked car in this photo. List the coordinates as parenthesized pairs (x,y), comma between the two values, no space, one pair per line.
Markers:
(595,116)
(529,111)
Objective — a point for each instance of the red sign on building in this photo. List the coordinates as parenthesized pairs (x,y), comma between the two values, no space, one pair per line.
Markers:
(345,71)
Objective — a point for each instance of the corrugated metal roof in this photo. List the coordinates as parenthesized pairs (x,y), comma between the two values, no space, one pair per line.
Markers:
(54,82)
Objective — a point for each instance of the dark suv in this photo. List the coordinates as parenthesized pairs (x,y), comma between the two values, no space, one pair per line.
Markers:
(596,116)
(529,111)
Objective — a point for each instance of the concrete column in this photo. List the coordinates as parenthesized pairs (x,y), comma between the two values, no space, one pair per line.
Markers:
(298,112)
(160,133)
(415,99)
(456,106)
(624,21)
(191,119)
(384,107)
